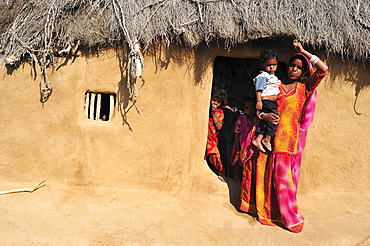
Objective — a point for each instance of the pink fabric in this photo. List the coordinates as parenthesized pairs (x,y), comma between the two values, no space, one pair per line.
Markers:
(243,125)
(307,117)
(285,183)
(288,203)
(270,181)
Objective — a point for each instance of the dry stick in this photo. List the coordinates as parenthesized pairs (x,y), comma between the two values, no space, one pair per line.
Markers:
(24,189)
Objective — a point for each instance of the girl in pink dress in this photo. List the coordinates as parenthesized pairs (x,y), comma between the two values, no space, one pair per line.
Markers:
(242,126)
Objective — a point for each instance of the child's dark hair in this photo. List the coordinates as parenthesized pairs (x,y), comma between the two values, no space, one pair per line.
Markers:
(267,55)
(249,98)
(219,94)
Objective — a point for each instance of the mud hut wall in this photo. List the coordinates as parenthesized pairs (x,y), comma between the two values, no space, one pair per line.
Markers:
(336,157)
(55,141)
(166,145)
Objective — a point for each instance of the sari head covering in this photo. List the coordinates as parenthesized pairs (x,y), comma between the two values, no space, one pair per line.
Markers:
(307,66)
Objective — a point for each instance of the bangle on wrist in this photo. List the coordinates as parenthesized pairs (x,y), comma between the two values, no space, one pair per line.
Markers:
(314,59)
(217,122)
(260,115)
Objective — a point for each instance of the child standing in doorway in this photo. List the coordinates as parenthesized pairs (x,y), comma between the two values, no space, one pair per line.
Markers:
(242,127)
(215,122)
(267,90)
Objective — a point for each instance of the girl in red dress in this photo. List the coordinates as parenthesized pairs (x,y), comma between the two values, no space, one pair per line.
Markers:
(215,122)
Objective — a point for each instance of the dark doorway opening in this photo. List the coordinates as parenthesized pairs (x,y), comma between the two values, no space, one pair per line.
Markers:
(235,75)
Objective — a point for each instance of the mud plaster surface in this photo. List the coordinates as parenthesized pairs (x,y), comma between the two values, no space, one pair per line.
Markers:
(78,215)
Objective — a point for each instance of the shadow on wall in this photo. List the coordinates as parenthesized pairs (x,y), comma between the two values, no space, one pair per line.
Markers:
(354,72)
(162,56)
(195,59)
(123,92)
(123,101)
(201,62)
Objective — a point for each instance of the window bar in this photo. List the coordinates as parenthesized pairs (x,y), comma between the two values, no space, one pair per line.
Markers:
(98,107)
(87,104)
(92,102)
(111,106)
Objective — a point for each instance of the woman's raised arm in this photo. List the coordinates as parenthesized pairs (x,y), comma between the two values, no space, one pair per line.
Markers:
(315,61)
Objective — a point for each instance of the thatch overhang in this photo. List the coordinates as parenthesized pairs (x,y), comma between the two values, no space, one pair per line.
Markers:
(44,28)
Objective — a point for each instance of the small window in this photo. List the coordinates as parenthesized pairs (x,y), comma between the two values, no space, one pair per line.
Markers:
(99,106)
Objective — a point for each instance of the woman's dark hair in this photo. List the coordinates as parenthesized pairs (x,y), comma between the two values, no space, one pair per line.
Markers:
(305,71)
(219,94)
(267,55)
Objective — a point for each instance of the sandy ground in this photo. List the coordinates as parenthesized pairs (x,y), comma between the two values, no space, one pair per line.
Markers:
(76,215)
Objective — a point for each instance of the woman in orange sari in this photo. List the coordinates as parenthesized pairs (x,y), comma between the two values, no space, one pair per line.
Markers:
(270,180)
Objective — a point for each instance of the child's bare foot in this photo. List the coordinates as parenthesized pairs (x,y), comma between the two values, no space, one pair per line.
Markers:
(267,144)
(258,145)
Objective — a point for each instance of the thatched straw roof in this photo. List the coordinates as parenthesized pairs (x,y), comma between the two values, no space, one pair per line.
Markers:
(341,27)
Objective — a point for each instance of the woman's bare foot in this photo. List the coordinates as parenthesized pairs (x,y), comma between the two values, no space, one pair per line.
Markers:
(267,144)
(258,145)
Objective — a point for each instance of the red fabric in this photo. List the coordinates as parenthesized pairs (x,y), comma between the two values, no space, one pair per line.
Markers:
(212,152)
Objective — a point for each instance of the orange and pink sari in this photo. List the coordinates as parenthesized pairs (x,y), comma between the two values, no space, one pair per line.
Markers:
(270,181)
